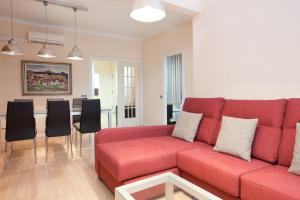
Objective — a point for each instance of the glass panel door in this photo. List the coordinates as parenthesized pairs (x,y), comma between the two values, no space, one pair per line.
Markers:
(128,104)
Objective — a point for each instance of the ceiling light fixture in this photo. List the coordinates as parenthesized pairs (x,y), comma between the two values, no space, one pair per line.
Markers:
(148,10)
(12,48)
(75,53)
(45,51)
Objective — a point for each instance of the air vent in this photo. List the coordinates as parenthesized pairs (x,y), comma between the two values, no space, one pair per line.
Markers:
(40,37)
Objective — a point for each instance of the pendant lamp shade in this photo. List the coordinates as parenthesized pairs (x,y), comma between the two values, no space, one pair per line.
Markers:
(148,10)
(12,48)
(45,51)
(75,53)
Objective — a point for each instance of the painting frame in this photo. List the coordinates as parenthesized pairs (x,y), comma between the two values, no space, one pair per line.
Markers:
(25,64)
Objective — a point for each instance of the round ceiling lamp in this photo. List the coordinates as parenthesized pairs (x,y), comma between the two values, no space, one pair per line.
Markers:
(45,51)
(148,10)
(11,48)
(75,53)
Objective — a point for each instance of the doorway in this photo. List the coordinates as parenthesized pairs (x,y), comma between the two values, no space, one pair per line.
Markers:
(173,87)
(116,84)
(105,88)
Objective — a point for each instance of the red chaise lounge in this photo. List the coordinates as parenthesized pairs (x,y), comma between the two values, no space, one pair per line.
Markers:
(123,155)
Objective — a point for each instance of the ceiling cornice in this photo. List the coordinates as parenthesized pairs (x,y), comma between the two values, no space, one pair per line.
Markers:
(71,29)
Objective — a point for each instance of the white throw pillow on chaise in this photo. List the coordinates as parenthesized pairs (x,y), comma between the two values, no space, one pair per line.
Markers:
(186,126)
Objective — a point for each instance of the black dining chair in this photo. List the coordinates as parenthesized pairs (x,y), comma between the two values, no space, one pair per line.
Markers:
(90,120)
(22,100)
(76,107)
(58,122)
(55,99)
(20,124)
(170,114)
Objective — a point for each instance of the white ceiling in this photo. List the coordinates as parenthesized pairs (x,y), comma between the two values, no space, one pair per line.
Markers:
(109,17)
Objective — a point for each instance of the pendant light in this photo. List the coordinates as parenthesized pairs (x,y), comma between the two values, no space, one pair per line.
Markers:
(12,48)
(45,51)
(75,53)
(148,10)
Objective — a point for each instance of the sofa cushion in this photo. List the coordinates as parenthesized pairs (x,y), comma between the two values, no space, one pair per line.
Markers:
(270,114)
(270,183)
(219,170)
(287,144)
(186,126)
(211,110)
(287,147)
(129,159)
(236,137)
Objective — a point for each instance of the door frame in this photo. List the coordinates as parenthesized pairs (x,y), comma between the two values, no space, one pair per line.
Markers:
(165,93)
(119,60)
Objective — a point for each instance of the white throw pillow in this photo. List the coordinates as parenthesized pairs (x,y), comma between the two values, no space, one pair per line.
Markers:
(295,166)
(186,126)
(236,137)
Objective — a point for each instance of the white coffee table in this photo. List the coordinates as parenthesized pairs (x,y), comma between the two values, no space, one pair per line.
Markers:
(170,181)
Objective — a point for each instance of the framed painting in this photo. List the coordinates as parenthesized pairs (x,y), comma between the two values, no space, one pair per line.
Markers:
(45,78)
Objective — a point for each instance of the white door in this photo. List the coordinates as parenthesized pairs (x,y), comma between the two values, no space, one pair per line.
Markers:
(128,94)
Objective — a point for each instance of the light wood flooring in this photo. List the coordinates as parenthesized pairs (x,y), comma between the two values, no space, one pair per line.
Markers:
(62,178)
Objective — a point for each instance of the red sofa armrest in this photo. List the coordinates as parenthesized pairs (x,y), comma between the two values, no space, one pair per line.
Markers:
(117,134)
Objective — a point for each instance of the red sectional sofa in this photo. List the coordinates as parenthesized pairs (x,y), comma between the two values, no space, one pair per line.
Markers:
(124,155)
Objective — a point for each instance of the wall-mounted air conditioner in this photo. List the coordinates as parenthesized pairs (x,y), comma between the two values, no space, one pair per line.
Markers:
(40,37)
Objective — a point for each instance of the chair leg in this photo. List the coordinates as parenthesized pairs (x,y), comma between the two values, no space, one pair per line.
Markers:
(46,144)
(80,144)
(5,154)
(34,145)
(93,145)
(68,141)
(12,147)
(90,140)
(71,145)
(76,138)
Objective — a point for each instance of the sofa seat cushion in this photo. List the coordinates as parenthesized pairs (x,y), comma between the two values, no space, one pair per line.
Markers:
(129,159)
(217,169)
(270,183)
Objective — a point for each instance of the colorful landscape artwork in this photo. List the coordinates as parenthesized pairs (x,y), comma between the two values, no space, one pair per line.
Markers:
(39,78)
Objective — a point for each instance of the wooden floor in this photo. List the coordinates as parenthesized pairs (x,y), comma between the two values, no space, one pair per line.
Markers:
(62,178)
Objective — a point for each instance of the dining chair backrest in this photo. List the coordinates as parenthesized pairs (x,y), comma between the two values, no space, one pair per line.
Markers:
(169,113)
(55,99)
(90,121)
(58,119)
(77,106)
(22,100)
(20,122)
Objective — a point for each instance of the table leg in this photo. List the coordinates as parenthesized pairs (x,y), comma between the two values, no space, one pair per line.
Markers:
(118,195)
(169,190)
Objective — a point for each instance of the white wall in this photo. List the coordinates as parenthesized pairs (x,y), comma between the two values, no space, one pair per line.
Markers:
(247,49)
(92,46)
(155,49)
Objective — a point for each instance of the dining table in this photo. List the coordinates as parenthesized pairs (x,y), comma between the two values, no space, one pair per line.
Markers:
(41,113)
